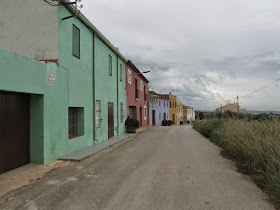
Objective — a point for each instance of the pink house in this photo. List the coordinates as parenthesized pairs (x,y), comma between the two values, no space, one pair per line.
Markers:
(136,94)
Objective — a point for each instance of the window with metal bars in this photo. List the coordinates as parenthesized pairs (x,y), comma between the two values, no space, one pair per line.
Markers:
(98,114)
(73,121)
(122,114)
(76,41)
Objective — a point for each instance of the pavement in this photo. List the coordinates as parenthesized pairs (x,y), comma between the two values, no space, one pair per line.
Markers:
(170,167)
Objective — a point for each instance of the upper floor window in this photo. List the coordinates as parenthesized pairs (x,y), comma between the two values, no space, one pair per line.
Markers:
(159,102)
(141,85)
(121,73)
(110,65)
(76,42)
(128,76)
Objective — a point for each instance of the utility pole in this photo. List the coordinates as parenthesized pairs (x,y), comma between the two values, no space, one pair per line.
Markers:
(238,105)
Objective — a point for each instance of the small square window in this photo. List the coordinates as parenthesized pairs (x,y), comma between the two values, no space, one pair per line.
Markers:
(75,122)
(76,41)
(110,65)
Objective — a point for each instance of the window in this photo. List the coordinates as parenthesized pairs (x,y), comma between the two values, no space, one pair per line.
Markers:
(122,115)
(121,74)
(145,95)
(170,105)
(159,116)
(141,85)
(145,112)
(167,116)
(98,114)
(136,90)
(159,102)
(163,102)
(128,76)
(110,65)
(76,42)
(75,122)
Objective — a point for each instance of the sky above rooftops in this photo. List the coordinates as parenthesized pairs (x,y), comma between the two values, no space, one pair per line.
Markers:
(204,52)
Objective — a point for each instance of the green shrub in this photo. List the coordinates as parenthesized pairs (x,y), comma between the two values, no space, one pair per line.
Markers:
(131,122)
(164,123)
(169,122)
(207,127)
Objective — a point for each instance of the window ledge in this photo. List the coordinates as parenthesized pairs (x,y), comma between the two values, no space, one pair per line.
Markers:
(75,136)
(136,99)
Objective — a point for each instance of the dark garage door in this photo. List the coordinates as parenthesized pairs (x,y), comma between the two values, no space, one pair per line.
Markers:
(14,130)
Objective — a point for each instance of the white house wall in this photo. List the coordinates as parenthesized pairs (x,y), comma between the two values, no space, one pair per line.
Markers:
(16,28)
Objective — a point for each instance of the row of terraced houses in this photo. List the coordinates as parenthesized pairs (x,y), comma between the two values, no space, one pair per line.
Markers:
(64,86)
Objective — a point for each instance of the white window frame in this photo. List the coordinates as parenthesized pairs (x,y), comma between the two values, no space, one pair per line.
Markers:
(141,85)
(129,76)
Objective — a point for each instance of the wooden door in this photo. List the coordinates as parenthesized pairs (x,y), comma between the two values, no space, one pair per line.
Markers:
(110,120)
(15,127)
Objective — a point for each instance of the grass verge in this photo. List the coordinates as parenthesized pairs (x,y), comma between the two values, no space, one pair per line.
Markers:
(254,145)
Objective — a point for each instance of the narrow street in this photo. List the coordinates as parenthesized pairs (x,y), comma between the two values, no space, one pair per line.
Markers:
(161,168)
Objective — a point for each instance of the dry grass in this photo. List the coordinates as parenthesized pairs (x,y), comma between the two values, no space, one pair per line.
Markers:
(255,146)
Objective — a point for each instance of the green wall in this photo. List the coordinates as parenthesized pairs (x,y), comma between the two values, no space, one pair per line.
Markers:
(25,75)
(106,88)
(49,102)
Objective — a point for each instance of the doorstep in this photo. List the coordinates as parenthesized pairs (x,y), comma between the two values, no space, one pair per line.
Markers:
(88,151)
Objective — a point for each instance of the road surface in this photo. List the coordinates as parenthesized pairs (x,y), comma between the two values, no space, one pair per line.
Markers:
(161,168)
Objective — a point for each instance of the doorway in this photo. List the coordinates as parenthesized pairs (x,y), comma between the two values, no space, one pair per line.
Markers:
(110,119)
(15,130)
(140,112)
(154,117)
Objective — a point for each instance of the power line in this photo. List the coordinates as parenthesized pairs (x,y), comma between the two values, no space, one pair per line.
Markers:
(260,89)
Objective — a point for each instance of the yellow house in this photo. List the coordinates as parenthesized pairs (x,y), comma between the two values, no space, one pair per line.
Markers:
(179,112)
(172,108)
(232,107)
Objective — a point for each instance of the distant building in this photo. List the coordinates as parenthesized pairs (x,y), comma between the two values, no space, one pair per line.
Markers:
(179,114)
(232,107)
(158,108)
(136,94)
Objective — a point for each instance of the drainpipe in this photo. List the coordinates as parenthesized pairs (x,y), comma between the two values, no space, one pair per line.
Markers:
(117,95)
(93,87)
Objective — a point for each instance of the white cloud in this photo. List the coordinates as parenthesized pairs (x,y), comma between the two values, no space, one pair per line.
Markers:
(203,51)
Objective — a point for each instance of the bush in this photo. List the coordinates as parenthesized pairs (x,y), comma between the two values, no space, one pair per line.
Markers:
(131,122)
(207,127)
(169,122)
(164,123)
(254,145)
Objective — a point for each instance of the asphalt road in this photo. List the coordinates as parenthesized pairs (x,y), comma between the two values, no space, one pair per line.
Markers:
(161,168)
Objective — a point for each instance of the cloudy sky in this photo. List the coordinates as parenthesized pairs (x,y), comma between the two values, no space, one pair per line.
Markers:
(205,52)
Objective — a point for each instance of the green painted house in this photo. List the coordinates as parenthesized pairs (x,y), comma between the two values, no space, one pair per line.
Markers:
(68,76)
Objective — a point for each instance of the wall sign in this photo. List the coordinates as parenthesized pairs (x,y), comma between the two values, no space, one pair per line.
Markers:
(52,78)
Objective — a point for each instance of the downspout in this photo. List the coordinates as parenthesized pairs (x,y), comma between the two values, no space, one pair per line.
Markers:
(117,94)
(93,87)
